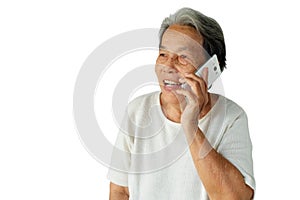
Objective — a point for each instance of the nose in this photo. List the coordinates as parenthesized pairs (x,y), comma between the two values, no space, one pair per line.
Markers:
(170,65)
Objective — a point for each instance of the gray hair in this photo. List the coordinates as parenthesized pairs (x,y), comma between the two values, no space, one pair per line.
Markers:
(209,28)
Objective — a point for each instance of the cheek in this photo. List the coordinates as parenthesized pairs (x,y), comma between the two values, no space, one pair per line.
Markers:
(158,70)
(158,65)
(160,60)
(201,60)
(192,69)
(186,69)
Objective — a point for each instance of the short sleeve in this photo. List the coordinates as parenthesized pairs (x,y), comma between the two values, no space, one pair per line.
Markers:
(120,159)
(236,147)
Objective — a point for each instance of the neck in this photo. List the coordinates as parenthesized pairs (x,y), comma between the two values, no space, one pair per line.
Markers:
(206,109)
(212,99)
(173,111)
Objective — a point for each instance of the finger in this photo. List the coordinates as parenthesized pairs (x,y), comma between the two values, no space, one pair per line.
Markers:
(197,84)
(197,78)
(193,85)
(192,76)
(199,87)
(204,75)
(188,95)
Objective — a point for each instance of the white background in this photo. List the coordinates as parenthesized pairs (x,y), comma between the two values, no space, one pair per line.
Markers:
(43,45)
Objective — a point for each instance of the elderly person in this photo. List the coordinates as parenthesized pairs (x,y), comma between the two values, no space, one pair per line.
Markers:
(217,163)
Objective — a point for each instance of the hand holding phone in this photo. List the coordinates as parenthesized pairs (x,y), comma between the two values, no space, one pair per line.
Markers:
(214,71)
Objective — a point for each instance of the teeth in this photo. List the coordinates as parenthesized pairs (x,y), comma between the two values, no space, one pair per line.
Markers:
(171,82)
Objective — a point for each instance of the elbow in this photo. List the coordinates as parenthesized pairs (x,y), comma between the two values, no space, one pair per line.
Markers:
(245,193)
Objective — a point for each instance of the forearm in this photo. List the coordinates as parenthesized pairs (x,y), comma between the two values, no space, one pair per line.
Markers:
(118,196)
(118,192)
(221,179)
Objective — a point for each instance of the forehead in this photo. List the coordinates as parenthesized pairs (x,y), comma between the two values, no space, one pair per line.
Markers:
(188,31)
(181,37)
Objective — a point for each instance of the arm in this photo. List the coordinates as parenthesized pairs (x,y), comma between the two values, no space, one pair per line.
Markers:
(221,179)
(118,192)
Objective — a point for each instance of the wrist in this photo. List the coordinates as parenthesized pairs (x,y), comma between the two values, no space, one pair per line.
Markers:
(199,146)
(191,130)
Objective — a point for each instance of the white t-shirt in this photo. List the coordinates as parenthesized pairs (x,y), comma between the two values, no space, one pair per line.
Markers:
(152,157)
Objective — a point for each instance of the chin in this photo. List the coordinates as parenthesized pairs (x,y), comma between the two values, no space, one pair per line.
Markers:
(169,96)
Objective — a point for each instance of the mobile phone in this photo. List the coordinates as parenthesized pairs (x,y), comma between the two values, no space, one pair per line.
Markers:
(214,71)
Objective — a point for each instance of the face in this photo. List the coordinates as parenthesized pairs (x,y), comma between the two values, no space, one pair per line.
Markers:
(180,52)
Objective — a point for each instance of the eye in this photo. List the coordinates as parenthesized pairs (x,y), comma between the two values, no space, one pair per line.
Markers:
(162,55)
(183,59)
(183,56)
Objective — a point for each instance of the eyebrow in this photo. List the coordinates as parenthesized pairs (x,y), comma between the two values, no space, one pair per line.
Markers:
(178,50)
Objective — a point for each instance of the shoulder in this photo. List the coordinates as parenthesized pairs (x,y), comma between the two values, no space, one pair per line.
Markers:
(235,121)
(232,109)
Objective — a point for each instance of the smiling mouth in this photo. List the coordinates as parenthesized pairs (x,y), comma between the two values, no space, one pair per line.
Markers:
(171,83)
